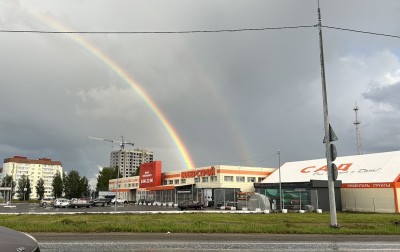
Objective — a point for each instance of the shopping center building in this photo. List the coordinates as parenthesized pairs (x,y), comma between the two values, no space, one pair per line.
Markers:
(214,186)
(366,183)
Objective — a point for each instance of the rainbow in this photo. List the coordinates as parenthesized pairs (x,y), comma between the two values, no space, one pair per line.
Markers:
(97,53)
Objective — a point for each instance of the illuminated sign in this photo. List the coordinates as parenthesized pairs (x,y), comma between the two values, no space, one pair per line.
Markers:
(198,173)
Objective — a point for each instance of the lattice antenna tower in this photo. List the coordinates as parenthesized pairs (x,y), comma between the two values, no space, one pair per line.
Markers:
(358,136)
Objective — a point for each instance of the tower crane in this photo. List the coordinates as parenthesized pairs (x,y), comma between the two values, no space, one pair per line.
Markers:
(122,143)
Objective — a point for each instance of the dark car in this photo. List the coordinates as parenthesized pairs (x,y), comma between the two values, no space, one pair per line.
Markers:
(101,201)
(12,241)
(190,204)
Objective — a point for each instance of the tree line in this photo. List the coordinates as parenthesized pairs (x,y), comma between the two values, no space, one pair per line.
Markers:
(69,185)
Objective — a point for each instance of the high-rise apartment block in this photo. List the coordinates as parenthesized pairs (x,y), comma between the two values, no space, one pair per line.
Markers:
(128,161)
(34,169)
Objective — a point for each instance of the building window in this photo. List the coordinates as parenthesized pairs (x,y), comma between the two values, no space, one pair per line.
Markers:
(214,178)
(196,180)
(183,181)
(228,178)
(170,182)
(251,179)
(260,179)
(204,179)
(176,181)
(164,182)
(240,179)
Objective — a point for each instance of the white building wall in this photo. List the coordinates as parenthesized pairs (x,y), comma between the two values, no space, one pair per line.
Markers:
(379,200)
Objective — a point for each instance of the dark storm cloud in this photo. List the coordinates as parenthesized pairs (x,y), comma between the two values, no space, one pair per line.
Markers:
(385,95)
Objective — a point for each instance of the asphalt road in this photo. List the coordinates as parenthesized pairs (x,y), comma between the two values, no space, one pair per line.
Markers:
(125,242)
(213,242)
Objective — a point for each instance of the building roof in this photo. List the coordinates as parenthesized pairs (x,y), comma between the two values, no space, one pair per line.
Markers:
(369,168)
(25,160)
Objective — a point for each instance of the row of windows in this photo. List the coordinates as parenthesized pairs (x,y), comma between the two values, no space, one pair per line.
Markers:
(240,179)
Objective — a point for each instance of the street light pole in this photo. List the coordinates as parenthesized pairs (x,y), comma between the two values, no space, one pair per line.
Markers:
(331,188)
(280,181)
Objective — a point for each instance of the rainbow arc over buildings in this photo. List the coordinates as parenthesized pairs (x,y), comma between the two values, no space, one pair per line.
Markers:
(110,63)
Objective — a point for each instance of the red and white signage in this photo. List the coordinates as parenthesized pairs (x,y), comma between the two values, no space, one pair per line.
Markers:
(150,174)
(198,173)
(369,170)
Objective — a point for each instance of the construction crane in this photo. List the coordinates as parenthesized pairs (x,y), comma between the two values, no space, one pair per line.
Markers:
(122,143)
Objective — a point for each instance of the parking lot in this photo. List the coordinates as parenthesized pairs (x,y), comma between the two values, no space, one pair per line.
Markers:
(35,208)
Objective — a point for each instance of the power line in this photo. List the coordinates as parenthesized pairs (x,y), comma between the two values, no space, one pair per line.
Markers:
(359,31)
(199,31)
(157,32)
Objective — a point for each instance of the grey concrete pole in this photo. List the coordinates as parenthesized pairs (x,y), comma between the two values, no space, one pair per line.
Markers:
(331,187)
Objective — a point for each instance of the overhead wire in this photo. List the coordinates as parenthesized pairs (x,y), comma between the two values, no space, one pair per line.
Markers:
(199,31)
(157,32)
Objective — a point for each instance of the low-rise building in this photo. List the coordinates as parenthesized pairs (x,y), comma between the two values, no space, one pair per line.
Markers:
(213,185)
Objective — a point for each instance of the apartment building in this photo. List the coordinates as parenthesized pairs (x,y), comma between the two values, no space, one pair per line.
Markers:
(34,169)
(128,161)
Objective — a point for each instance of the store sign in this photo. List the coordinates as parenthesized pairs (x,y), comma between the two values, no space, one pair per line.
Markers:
(368,185)
(198,173)
(342,167)
(150,174)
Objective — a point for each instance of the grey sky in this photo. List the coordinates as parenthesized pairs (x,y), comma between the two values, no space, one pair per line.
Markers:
(233,98)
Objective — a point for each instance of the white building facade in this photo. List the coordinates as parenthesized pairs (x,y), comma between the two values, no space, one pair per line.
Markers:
(369,183)
(128,161)
(34,169)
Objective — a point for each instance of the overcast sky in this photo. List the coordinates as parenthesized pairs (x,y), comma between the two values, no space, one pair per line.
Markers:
(232,98)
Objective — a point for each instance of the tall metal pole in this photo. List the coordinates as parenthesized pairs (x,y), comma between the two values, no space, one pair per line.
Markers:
(331,187)
(280,181)
(116,191)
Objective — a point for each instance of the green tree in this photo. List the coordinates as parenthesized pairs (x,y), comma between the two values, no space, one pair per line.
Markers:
(137,172)
(76,186)
(40,188)
(84,183)
(105,175)
(7,181)
(24,188)
(58,185)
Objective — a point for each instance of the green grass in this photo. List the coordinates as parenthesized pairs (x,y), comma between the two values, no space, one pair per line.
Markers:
(275,223)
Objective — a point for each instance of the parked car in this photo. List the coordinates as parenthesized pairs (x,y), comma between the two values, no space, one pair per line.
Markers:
(119,201)
(46,202)
(61,202)
(77,203)
(190,204)
(101,201)
(12,240)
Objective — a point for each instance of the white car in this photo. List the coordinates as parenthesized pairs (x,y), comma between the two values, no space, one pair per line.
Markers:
(119,201)
(61,202)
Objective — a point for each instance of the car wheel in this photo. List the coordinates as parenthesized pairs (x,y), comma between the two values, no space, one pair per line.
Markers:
(44,204)
(76,206)
(89,206)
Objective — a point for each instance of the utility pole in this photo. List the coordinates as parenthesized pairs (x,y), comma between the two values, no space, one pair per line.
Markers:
(329,134)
